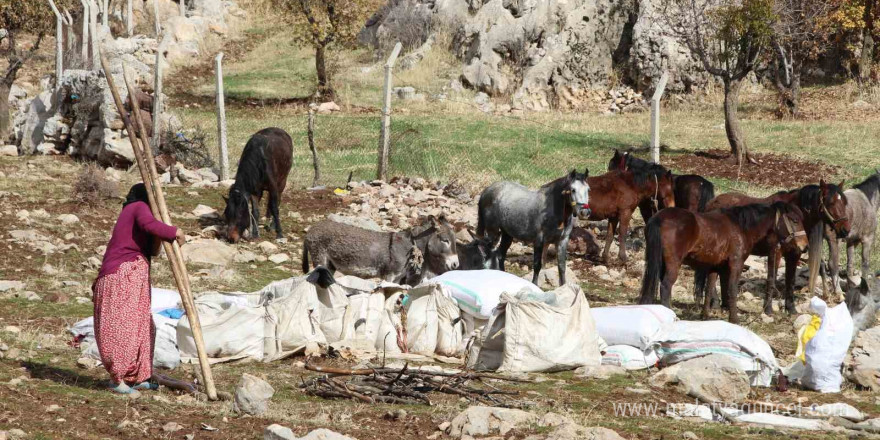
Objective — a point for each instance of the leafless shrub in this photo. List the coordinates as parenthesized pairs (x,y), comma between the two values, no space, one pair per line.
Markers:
(92,187)
(188,147)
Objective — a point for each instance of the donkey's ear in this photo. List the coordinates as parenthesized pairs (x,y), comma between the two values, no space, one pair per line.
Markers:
(842,182)
(471,233)
(586,172)
(433,221)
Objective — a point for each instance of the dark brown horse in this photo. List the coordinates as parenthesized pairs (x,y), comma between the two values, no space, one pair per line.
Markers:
(264,165)
(692,192)
(715,241)
(822,205)
(616,194)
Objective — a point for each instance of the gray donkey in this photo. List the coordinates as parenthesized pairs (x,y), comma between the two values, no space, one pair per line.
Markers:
(541,217)
(402,257)
(862,302)
(863,201)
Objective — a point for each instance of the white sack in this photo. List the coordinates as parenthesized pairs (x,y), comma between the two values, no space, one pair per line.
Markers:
(366,311)
(293,320)
(230,330)
(162,299)
(422,320)
(629,357)
(450,328)
(825,352)
(534,336)
(634,325)
(683,340)
(478,292)
(386,340)
(165,352)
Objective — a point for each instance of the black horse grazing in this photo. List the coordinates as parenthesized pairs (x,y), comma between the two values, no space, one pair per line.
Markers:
(264,165)
(692,192)
(511,211)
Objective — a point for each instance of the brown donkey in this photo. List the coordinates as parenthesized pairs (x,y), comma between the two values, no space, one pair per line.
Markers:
(615,195)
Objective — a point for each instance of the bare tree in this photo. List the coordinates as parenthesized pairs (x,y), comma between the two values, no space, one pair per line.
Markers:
(867,40)
(726,36)
(799,34)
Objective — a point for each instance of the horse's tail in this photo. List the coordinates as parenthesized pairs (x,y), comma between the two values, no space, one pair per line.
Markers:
(814,253)
(653,261)
(481,215)
(305,257)
(707,193)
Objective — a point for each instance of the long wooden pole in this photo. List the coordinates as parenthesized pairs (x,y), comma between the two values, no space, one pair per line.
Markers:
(655,117)
(85,33)
(172,250)
(59,44)
(177,255)
(157,95)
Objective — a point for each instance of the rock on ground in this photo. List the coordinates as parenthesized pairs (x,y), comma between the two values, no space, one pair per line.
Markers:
(482,420)
(599,371)
(548,278)
(10,285)
(279,258)
(268,247)
(862,364)
(213,252)
(278,432)
(713,378)
(838,409)
(325,434)
(360,222)
(252,395)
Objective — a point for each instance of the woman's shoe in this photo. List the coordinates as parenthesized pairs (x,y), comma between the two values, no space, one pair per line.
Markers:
(122,388)
(146,386)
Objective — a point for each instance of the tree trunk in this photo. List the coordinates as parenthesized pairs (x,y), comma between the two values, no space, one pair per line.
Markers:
(795,91)
(5,124)
(867,42)
(731,121)
(321,67)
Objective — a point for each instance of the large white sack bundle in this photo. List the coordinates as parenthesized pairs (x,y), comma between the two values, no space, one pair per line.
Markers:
(165,352)
(365,313)
(478,292)
(683,340)
(230,330)
(825,352)
(629,357)
(293,320)
(534,336)
(634,325)
(450,328)
(390,325)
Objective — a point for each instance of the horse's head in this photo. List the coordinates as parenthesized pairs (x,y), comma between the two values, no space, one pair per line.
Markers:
(618,161)
(832,206)
(789,227)
(237,214)
(440,253)
(577,192)
(666,190)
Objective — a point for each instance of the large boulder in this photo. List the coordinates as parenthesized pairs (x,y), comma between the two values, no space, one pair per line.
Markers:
(862,364)
(713,378)
(252,395)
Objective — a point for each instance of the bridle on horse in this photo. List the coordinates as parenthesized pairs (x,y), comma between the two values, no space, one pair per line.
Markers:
(789,229)
(827,214)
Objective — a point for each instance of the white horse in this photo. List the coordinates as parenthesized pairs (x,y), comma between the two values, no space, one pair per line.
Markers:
(863,202)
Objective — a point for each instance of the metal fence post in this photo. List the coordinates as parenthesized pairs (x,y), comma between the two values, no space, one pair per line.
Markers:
(221,119)
(384,139)
(655,117)
(59,44)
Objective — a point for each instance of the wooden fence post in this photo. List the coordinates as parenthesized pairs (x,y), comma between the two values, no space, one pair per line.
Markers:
(384,135)
(59,44)
(93,32)
(129,19)
(313,148)
(221,119)
(71,43)
(85,33)
(655,117)
(157,96)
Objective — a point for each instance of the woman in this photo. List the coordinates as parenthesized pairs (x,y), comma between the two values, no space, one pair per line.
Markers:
(123,324)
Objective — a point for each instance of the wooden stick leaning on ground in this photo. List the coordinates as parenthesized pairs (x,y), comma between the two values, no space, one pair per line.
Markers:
(178,270)
(193,317)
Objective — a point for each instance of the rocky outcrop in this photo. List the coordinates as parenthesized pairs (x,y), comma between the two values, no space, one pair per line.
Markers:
(80,118)
(555,53)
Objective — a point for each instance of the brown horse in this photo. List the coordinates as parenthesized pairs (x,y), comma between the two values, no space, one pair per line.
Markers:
(263,167)
(692,192)
(616,194)
(822,205)
(717,241)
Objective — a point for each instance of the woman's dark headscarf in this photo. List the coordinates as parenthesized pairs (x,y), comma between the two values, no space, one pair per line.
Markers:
(137,193)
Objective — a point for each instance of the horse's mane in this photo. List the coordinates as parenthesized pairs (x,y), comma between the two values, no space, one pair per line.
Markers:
(251,166)
(810,195)
(645,173)
(871,186)
(750,216)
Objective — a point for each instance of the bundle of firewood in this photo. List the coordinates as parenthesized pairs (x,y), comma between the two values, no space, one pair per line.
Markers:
(407,386)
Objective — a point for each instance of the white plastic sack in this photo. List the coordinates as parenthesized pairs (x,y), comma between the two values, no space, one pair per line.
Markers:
(629,357)
(683,340)
(537,337)
(292,317)
(450,328)
(386,339)
(478,292)
(366,310)
(165,352)
(634,325)
(162,299)
(825,352)
(422,320)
